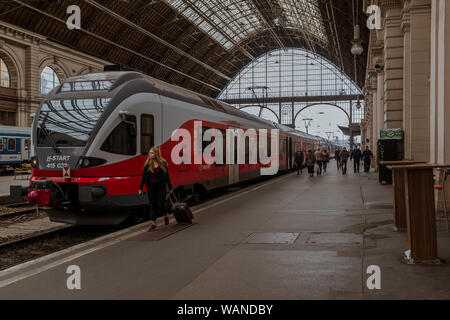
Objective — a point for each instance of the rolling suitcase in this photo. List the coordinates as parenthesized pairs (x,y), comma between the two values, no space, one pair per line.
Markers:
(181,211)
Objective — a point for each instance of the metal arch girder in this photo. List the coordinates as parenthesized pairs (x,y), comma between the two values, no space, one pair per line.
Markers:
(272,32)
(262,107)
(154,37)
(201,14)
(316,99)
(322,103)
(109,42)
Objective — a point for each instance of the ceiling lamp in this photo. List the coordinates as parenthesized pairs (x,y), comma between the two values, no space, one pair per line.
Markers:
(357,48)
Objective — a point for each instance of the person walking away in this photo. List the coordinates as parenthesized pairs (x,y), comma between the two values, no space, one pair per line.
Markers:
(318,156)
(344,158)
(367,156)
(299,157)
(337,157)
(326,159)
(310,161)
(155,176)
(356,156)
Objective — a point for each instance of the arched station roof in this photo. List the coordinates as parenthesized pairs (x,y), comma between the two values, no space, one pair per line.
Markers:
(202,44)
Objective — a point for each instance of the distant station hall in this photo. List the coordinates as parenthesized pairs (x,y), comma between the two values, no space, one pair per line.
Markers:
(224,150)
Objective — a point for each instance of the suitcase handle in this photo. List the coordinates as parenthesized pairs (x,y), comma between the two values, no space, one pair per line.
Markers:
(170,198)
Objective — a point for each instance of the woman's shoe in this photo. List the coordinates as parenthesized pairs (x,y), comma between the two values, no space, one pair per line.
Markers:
(152,227)
(166,221)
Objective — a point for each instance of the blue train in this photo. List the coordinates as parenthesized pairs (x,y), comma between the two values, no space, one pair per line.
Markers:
(15,147)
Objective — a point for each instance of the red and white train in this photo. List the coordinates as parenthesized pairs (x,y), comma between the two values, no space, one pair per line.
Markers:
(102,125)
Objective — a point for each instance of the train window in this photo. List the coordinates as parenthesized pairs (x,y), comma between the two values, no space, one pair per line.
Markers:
(95,85)
(247,151)
(122,139)
(11,144)
(1,144)
(27,144)
(224,145)
(69,122)
(147,133)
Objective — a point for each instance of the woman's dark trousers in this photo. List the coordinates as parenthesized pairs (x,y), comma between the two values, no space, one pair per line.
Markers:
(156,199)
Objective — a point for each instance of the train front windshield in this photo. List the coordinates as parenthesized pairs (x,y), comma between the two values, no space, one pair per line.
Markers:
(68,123)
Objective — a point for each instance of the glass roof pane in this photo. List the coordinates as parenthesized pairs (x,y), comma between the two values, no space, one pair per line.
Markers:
(304,15)
(230,21)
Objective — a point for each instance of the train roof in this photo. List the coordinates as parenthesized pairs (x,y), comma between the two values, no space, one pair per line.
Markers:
(118,79)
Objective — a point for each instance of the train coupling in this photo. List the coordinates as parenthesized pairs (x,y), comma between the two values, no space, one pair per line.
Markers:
(40,192)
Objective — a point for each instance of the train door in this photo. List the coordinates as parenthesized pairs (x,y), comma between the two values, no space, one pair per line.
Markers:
(150,125)
(233,168)
(290,152)
(25,149)
(147,136)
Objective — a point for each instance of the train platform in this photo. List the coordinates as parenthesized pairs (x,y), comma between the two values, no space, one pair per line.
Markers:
(290,237)
(7,181)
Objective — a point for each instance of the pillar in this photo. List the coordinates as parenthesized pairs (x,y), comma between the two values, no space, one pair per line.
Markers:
(440,88)
(440,82)
(30,95)
(393,67)
(380,102)
(419,82)
(406,30)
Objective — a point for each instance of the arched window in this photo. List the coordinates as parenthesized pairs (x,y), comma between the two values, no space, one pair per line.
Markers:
(4,75)
(279,80)
(286,115)
(49,80)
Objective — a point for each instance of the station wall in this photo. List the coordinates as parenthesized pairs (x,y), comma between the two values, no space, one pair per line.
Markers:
(25,55)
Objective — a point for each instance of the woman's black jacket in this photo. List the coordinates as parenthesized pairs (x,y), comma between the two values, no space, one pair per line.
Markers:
(164,179)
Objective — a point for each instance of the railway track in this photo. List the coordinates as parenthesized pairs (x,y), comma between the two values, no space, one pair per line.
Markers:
(34,246)
(19,212)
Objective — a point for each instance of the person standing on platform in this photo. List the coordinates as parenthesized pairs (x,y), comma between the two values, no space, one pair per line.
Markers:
(326,159)
(367,156)
(344,158)
(155,176)
(318,156)
(310,161)
(299,157)
(356,156)
(337,157)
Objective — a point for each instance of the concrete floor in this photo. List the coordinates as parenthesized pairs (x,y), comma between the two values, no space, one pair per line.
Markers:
(291,237)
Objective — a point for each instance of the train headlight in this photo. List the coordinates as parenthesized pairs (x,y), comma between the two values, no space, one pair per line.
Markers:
(87,162)
(34,162)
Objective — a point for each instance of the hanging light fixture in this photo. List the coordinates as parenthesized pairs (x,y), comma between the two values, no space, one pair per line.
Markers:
(357,48)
